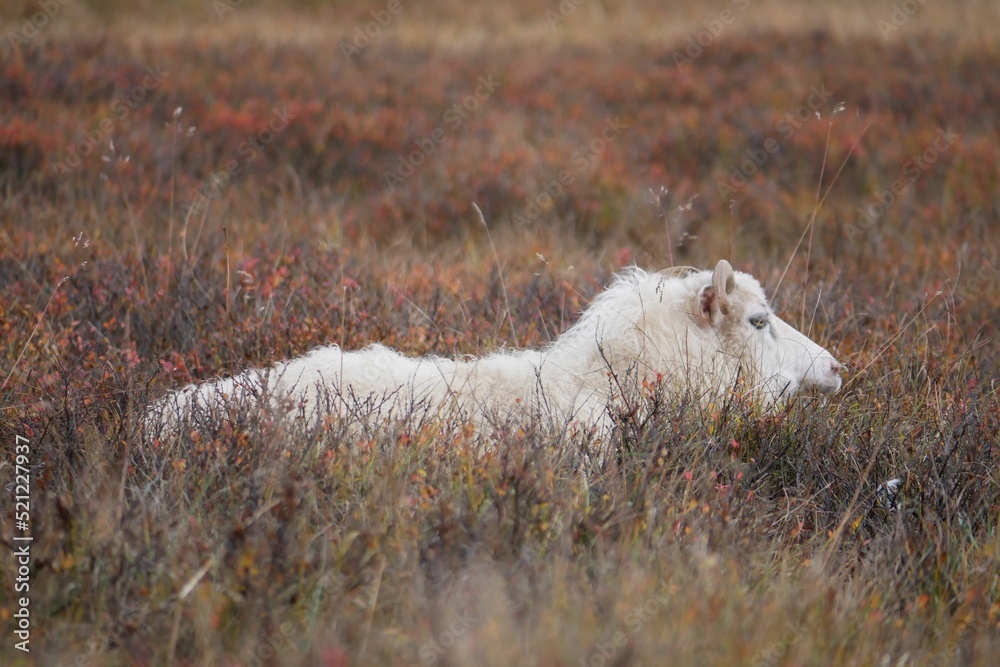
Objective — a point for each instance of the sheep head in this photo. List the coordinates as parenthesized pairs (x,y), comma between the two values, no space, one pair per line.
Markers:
(715,326)
(743,332)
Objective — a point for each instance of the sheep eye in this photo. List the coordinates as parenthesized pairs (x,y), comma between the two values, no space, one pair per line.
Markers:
(759,321)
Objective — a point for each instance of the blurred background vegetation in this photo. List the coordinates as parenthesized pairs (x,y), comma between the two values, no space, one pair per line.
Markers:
(193,188)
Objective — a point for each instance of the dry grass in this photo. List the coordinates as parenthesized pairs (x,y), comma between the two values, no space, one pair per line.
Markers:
(716,537)
(455,26)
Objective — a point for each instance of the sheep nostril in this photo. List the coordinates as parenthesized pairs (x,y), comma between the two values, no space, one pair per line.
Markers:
(836,368)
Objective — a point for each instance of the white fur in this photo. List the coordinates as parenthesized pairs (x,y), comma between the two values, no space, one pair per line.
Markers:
(692,332)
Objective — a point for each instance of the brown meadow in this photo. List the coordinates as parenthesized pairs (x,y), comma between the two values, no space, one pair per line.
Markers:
(198,189)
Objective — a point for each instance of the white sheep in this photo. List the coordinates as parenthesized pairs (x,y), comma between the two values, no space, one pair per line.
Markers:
(703,332)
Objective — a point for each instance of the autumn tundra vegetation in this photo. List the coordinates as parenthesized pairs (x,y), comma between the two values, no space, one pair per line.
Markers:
(195,191)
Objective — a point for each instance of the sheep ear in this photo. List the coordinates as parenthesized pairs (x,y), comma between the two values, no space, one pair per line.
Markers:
(723,280)
(706,300)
